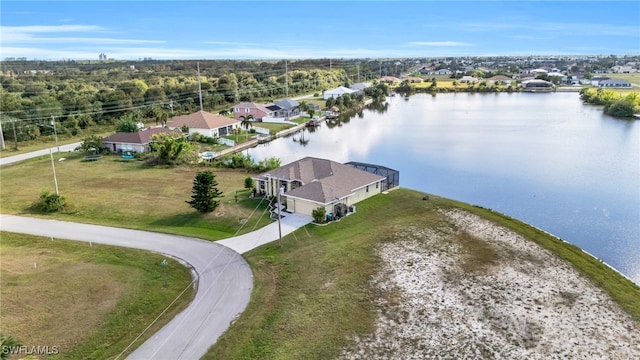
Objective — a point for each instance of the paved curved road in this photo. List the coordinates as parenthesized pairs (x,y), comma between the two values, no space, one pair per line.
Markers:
(224,277)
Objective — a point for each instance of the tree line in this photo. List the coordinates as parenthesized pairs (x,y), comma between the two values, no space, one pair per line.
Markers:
(614,103)
(80,97)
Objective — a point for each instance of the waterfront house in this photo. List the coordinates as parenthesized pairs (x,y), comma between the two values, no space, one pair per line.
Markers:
(246,108)
(205,123)
(500,79)
(537,85)
(288,108)
(337,92)
(616,83)
(134,142)
(310,183)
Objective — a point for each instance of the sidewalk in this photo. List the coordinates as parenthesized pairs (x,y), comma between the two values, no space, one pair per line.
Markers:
(244,243)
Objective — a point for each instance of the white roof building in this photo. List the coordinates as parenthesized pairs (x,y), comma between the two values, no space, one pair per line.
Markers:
(337,92)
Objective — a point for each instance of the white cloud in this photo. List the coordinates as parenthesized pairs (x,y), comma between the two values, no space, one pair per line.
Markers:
(557,28)
(439,43)
(33,34)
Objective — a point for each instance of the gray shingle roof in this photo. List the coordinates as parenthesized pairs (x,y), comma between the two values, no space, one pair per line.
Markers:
(322,180)
(288,104)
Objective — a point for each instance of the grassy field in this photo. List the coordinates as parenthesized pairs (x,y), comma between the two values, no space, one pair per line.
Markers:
(89,301)
(114,192)
(313,295)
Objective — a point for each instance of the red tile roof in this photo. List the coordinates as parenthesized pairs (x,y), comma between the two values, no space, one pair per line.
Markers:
(201,120)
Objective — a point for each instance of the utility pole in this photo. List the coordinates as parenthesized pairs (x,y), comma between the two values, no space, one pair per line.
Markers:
(15,137)
(279,216)
(330,66)
(380,68)
(53,166)
(358,67)
(171,105)
(286,78)
(55,132)
(199,87)
(1,137)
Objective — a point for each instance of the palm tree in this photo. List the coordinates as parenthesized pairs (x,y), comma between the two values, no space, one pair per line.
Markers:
(161,116)
(246,123)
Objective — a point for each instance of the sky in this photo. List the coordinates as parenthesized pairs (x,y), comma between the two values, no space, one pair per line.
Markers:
(132,30)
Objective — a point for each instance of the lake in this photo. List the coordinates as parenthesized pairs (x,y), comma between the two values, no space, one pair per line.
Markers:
(545,159)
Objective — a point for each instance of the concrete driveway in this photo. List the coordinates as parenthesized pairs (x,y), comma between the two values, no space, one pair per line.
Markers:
(224,279)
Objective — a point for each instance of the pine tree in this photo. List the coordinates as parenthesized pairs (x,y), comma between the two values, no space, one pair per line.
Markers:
(205,192)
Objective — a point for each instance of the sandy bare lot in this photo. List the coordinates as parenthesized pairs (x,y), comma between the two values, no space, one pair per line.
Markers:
(476,290)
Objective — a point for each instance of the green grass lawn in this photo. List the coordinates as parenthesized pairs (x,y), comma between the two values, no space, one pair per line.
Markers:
(89,301)
(273,127)
(313,295)
(129,194)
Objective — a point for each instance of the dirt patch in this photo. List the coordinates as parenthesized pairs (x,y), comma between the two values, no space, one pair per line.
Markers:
(478,290)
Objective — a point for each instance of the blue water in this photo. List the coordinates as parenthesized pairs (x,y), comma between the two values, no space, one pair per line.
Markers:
(546,159)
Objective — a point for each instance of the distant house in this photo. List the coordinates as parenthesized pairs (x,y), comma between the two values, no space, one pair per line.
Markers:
(468,79)
(616,83)
(205,123)
(537,85)
(289,107)
(257,111)
(389,79)
(136,142)
(623,69)
(310,183)
(500,79)
(595,81)
(360,86)
(441,72)
(414,79)
(337,92)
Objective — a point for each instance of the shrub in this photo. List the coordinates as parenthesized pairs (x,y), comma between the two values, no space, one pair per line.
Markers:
(319,214)
(248,182)
(50,202)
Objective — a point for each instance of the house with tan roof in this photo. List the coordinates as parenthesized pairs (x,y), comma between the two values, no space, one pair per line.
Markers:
(136,142)
(205,123)
(500,79)
(310,183)
(389,79)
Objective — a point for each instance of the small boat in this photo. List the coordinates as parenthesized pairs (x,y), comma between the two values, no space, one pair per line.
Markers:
(312,123)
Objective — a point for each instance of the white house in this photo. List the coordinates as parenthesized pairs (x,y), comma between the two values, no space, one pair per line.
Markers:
(337,92)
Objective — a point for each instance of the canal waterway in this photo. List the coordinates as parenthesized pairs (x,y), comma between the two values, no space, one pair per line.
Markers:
(546,159)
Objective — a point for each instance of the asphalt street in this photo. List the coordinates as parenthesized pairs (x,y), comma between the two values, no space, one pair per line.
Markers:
(224,278)
(17,158)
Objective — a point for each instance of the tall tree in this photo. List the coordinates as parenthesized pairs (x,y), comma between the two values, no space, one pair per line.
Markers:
(205,192)
(246,123)
(171,149)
